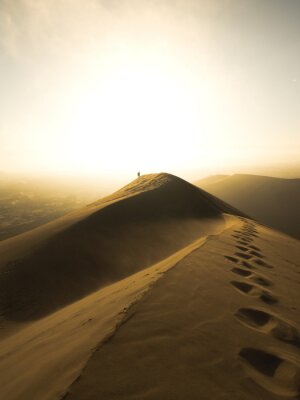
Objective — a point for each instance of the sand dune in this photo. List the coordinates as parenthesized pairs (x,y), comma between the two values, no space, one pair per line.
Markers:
(194,302)
(273,201)
(134,228)
(196,335)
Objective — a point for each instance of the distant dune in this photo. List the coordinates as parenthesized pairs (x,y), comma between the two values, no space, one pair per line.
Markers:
(159,291)
(273,201)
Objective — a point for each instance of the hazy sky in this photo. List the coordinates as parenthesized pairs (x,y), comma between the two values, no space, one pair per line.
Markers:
(112,86)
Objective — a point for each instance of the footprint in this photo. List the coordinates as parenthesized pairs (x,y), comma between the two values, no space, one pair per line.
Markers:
(268,323)
(274,373)
(249,230)
(242,248)
(247,265)
(243,243)
(262,263)
(232,259)
(263,362)
(254,247)
(244,233)
(240,271)
(252,317)
(246,239)
(242,286)
(255,291)
(243,255)
(250,235)
(261,281)
(256,254)
(268,298)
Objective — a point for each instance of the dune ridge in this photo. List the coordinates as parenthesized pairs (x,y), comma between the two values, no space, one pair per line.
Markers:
(74,333)
(65,260)
(194,335)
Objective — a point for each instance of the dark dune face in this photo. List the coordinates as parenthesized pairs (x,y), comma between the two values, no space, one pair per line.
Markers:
(151,219)
(273,201)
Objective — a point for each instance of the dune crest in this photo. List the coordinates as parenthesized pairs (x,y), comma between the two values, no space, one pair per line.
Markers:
(61,262)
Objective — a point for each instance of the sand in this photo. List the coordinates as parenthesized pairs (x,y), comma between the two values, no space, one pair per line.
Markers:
(272,201)
(212,327)
(217,316)
(66,260)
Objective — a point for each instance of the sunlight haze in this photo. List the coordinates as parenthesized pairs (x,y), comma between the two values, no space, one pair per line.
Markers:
(92,86)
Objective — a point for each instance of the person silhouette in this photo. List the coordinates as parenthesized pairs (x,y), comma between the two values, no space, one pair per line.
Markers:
(139,174)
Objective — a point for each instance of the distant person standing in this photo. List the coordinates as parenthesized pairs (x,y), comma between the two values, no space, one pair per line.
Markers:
(139,174)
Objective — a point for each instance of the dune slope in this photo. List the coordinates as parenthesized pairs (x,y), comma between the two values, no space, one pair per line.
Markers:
(273,201)
(222,324)
(61,262)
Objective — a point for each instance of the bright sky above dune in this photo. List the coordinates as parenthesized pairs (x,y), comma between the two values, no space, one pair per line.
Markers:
(113,86)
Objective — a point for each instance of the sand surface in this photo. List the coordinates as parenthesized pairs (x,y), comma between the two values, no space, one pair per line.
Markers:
(52,266)
(222,324)
(43,358)
(202,304)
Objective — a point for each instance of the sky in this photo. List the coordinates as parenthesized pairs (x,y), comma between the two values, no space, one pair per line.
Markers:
(111,87)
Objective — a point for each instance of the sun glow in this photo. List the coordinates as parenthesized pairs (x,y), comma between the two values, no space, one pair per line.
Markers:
(110,87)
(141,112)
